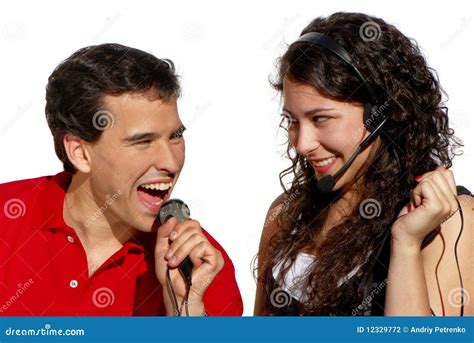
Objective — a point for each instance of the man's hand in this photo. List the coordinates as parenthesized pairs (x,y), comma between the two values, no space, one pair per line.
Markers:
(174,242)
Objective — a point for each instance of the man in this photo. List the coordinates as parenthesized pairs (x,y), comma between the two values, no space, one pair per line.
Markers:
(86,241)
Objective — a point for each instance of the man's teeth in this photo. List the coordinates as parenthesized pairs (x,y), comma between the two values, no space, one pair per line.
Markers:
(158,202)
(158,186)
(324,162)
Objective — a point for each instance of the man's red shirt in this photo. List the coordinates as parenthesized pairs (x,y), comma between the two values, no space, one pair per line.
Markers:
(44,271)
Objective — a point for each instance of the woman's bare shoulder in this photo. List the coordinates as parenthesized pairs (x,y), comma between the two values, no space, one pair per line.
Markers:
(453,244)
(270,227)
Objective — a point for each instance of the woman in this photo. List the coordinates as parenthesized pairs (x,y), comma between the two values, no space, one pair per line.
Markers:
(370,223)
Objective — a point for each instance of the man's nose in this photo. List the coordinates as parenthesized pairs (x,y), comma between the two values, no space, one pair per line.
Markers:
(166,158)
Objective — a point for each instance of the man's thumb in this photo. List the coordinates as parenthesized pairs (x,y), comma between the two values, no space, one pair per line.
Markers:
(165,229)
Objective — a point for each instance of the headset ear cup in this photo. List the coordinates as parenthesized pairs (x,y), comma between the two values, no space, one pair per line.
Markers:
(367,117)
(374,116)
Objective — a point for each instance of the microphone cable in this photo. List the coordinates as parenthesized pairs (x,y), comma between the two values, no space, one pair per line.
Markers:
(461,214)
(178,309)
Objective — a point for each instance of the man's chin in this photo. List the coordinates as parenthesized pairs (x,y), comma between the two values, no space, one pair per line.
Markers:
(138,222)
(148,224)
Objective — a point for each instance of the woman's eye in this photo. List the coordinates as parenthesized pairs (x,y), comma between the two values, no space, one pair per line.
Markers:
(288,121)
(320,119)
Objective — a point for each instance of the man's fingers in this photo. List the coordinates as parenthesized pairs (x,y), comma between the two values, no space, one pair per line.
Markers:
(175,257)
(165,229)
(179,239)
(199,253)
(205,252)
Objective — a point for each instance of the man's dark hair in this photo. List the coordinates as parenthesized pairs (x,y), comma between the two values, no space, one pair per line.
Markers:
(76,88)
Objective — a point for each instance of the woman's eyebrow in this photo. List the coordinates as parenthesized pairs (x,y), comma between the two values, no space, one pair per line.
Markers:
(311,112)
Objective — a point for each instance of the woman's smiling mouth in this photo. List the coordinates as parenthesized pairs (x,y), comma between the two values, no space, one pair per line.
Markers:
(323,165)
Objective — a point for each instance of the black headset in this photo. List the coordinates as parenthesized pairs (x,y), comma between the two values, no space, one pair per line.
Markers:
(376,112)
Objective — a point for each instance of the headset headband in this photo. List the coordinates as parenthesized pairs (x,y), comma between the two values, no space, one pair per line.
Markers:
(324,41)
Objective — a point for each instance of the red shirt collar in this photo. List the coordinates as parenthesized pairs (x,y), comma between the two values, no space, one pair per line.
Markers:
(50,202)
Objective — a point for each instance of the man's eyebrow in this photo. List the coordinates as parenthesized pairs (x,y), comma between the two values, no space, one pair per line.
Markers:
(179,130)
(140,136)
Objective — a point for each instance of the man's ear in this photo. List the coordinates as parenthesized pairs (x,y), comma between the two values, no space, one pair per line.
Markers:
(77,152)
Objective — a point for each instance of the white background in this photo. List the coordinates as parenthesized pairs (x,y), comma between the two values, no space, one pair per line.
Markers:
(225,52)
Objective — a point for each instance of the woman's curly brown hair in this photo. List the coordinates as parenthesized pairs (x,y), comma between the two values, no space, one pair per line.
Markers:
(418,127)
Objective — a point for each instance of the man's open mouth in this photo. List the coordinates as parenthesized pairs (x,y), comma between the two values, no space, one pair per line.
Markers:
(153,194)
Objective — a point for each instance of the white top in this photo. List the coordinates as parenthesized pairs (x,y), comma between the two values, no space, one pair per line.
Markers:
(294,280)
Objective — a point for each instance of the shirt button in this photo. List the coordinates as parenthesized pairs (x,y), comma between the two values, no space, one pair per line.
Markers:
(70,239)
(73,283)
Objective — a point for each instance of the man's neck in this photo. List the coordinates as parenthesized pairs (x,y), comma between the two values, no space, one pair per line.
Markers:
(95,228)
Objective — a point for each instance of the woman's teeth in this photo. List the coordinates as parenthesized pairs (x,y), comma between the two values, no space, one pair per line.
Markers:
(158,186)
(324,162)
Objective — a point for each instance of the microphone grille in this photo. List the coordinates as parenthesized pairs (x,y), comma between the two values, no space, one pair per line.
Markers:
(174,208)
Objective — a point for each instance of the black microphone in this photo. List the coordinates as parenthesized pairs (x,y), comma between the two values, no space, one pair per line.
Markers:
(327,183)
(178,209)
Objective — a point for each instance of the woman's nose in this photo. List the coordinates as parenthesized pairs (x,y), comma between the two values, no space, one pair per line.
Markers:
(306,140)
